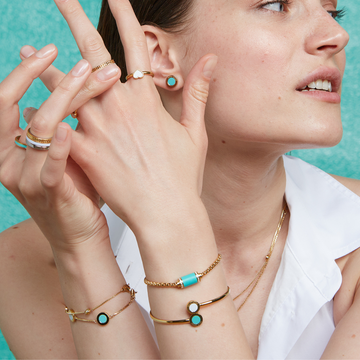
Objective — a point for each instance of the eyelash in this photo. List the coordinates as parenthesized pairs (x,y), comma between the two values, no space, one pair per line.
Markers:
(336,14)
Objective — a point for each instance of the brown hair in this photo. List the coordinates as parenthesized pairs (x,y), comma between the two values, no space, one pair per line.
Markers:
(168,15)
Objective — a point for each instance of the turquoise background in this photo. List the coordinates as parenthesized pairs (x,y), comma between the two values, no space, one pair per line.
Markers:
(38,22)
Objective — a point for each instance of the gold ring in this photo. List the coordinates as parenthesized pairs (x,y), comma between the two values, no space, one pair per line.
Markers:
(101,66)
(38,139)
(19,143)
(139,74)
(74,114)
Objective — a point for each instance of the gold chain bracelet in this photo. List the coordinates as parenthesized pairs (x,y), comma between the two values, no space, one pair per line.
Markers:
(102,318)
(186,280)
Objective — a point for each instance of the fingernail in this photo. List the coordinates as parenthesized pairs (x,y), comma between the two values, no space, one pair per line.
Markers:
(27,111)
(46,51)
(108,72)
(26,51)
(210,66)
(80,68)
(61,133)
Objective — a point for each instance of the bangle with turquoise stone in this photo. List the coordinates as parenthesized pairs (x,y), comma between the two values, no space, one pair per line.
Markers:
(193,308)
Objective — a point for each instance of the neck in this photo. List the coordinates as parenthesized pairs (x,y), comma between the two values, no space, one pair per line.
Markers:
(245,204)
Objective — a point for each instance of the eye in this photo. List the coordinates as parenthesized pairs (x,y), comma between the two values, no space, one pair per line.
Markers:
(278,6)
(337,14)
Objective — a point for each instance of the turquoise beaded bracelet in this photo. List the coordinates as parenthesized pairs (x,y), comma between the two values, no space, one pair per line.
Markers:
(187,280)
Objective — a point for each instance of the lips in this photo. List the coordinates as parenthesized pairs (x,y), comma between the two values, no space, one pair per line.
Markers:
(326,74)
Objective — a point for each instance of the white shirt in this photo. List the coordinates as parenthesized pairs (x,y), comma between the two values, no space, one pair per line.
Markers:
(298,319)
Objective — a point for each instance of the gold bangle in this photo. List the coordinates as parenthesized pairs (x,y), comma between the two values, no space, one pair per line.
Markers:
(102,318)
(186,280)
(193,308)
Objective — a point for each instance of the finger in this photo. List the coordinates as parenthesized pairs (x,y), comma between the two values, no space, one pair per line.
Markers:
(53,110)
(29,113)
(195,94)
(52,173)
(95,85)
(132,36)
(14,86)
(45,122)
(88,39)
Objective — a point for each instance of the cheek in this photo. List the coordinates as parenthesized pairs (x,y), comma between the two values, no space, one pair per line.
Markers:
(251,77)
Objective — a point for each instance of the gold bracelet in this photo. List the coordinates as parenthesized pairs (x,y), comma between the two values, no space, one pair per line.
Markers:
(186,280)
(192,307)
(102,318)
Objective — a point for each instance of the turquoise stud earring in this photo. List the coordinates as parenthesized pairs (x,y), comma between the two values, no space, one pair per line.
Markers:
(171,81)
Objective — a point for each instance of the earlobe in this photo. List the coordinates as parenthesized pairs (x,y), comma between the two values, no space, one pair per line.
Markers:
(163,59)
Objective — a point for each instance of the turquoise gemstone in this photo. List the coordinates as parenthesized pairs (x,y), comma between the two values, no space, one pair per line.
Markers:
(171,81)
(189,280)
(103,318)
(196,320)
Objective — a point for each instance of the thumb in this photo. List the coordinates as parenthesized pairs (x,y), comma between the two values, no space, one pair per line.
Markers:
(53,171)
(195,94)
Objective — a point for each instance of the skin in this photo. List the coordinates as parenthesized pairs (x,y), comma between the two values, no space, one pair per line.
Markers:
(251,144)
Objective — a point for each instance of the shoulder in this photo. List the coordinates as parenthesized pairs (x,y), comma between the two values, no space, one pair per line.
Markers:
(351,184)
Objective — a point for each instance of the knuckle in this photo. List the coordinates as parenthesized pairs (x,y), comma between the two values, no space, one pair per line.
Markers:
(48,181)
(39,124)
(199,92)
(93,45)
(27,188)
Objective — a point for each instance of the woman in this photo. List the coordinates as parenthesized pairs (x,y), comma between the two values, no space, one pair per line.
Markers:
(269,94)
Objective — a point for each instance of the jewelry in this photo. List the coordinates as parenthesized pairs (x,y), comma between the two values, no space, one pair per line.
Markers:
(101,66)
(19,143)
(39,140)
(186,280)
(256,280)
(102,318)
(171,81)
(192,307)
(139,74)
(74,114)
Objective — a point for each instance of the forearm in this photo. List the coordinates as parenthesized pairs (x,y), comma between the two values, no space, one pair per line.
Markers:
(88,278)
(185,246)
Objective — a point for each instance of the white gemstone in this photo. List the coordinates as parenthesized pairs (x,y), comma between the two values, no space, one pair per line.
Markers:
(193,308)
(138,74)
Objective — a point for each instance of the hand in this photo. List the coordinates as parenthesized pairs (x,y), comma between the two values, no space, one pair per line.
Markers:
(143,163)
(37,178)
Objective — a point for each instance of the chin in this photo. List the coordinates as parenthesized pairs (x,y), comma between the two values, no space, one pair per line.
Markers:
(321,137)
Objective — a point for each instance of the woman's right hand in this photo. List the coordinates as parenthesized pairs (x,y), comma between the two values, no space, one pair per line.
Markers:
(65,208)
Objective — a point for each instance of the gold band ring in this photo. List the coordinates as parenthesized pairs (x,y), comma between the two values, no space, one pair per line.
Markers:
(19,143)
(101,66)
(38,139)
(136,75)
(74,114)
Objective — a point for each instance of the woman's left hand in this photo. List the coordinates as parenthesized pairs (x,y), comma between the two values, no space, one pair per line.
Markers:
(144,164)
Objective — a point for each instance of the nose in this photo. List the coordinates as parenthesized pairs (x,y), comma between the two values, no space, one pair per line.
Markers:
(326,36)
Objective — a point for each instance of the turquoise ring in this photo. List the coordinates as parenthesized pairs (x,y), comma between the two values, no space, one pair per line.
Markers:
(19,143)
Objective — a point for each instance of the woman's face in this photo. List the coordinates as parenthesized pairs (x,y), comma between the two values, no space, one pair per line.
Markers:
(268,52)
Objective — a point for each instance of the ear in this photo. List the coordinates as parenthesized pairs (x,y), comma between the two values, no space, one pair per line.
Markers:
(163,57)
